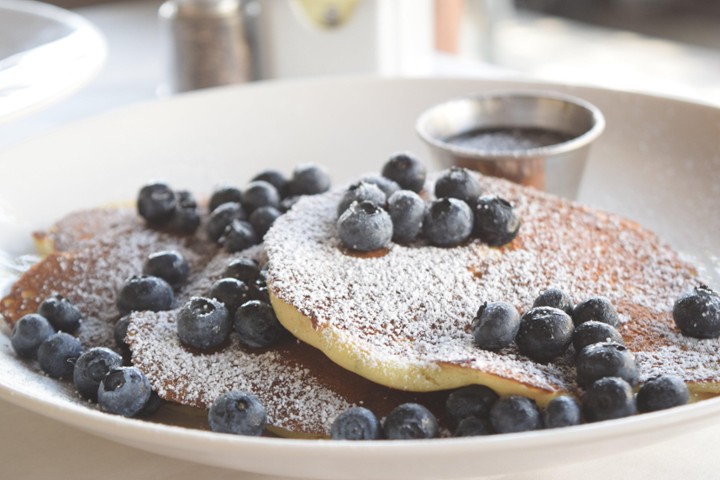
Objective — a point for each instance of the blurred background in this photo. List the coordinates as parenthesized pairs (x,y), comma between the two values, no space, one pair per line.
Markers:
(666,47)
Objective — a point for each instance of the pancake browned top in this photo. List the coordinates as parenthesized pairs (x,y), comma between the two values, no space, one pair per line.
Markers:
(89,269)
(403,318)
(76,227)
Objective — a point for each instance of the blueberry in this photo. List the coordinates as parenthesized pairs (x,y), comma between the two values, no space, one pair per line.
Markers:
(556,298)
(448,222)
(496,222)
(599,309)
(263,218)
(239,413)
(203,323)
(606,359)
(169,265)
(245,269)
(259,293)
(120,332)
(257,326)
(145,292)
(274,178)
(62,315)
(238,236)
(221,217)
(364,227)
(697,313)
(608,398)
(661,392)
(473,427)
(355,423)
(185,221)
(458,183)
(224,194)
(470,401)
(595,332)
(410,421)
(58,353)
(156,203)
(495,325)
(124,391)
(407,211)
(28,333)
(383,183)
(562,411)
(544,333)
(361,191)
(231,292)
(406,170)
(515,414)
(309,179)
(185,199)
(91,367)
(260,194)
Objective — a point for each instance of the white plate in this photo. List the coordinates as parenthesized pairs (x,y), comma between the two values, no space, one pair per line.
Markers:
(46,53)
(658,162)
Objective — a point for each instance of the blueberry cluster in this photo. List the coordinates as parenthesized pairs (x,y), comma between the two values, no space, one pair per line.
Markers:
(379,210)
(478,410)
(46,336)
(240,218)
(98,374)
(408,421)
(153,290)
(237,302)
(163,207)
(546,330)
(605,368)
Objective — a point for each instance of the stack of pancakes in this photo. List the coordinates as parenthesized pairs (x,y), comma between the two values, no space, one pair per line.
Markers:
(375,329)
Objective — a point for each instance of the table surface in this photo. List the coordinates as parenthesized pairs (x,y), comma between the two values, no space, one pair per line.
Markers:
(32,446)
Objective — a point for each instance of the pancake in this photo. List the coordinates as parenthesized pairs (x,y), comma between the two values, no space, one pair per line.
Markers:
(302,391)
(88,263)
(402,317)
(300,388)
(71,230)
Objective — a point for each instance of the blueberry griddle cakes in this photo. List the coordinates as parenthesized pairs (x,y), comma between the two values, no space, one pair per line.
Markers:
(402,318)
(301,389)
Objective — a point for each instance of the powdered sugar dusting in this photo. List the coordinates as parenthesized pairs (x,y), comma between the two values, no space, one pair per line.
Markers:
(412,307)
(92,274)
(293,396)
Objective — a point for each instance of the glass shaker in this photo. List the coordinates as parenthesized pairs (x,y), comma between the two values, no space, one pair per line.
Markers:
(205,43)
